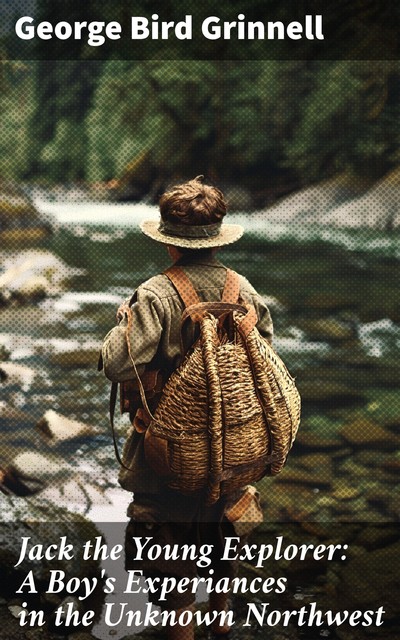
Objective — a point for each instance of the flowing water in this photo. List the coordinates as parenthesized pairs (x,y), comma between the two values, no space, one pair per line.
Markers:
(335,301)
(334,298)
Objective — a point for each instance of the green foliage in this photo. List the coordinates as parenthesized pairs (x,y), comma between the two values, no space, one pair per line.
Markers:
(185,117)
(263,124)
(16,108)
(64,156)
(63,94)
(348,120)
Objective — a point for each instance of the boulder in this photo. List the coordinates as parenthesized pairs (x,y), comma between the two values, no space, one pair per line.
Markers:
(44,524)
(379,208)
(32,274)
(58,428)
(17,374)
(29,472)
(20,221)
(364,431)
(57,481)
(344,201)
(308,204)
(371,580)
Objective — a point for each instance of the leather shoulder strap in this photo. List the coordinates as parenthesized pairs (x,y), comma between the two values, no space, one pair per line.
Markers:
(188,293)
(231,290)
(183,285)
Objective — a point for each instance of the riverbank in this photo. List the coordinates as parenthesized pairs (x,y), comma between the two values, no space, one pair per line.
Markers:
(336,308)
(335,303)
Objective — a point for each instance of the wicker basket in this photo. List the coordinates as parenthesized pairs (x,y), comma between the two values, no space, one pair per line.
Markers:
(227,408)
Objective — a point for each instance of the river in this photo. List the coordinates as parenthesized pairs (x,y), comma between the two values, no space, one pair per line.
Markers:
(335,302)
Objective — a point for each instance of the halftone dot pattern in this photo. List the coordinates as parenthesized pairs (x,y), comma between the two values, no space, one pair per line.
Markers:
(85,161)
(330,286)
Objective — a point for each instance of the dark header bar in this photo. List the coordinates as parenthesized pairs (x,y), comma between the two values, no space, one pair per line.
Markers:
(234,30)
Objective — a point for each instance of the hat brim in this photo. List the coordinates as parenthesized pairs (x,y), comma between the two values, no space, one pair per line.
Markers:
(228,233)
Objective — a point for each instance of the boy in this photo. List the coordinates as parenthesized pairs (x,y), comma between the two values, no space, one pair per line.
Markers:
(192,229)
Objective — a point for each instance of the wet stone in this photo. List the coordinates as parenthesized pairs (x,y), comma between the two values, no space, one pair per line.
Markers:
(365,578)
(357,470)
(346,493)
(377,537)
(307,478)
(17,374)
(29,472)
(328,329)
(329,301)
(392,465)
(370,458)
(394,506)
(378,495)
(319,391)
(311,440)
(314,461)
(39,520)
(58,428)
(364,431)
(9,414)
(77,358)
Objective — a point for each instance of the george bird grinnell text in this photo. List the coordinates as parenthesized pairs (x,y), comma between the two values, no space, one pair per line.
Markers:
(96,33)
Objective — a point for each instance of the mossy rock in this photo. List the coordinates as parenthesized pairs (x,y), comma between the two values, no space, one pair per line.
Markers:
(320,391)
(20,222)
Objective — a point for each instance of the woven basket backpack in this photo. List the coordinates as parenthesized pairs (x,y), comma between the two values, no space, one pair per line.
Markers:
(229,414)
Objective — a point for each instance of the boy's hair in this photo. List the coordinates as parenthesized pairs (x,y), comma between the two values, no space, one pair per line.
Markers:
(193,203)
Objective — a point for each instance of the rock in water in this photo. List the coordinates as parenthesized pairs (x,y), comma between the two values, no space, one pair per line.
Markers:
(20,221)
(370,580)
(58,428)
(30,472)
(43,524)
(31,275)
(366,432)
(306,205)
(379,208)
(18,374)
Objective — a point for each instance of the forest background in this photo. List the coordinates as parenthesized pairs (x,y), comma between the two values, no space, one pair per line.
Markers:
(265,125)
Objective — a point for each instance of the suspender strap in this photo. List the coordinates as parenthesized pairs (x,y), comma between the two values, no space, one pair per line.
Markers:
(231,290)
(182,284)
(188,293)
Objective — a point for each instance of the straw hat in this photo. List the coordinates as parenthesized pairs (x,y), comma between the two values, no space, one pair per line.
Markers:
(192,236)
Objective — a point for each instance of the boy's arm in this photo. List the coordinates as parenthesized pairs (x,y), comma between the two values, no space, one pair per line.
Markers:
(251,296)
(146,328)
(264,324)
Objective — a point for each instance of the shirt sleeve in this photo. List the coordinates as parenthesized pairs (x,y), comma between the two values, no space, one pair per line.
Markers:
(264,324)
(250,295)
(144,338)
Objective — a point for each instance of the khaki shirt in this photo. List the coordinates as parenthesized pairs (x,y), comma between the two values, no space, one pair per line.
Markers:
(156,341)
